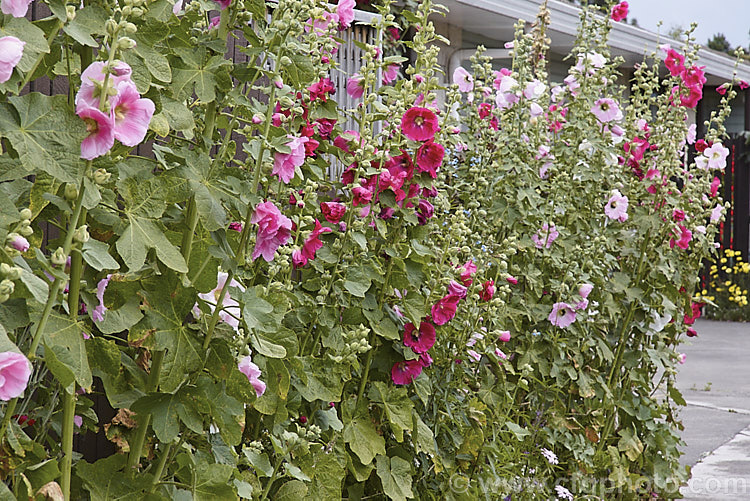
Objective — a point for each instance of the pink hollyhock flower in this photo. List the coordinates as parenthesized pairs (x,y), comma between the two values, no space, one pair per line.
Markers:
(284,164)
(230,308)
(425,211)
(101,129)
(474,338)
(252,371)
(321,90)
(298,259)
(405,372)
(457,289)
(684,237)
(223,4)
(345,11)
(463,79)
(177,7)
(512,280)
(534,90)
(98,314)
(17,242)
(716,213)
(16,8)
(348,141)
(236,226)
(419,340)
(504,336)
(11,51)
(430,157)
(714,157)
(584,290)
(467,270)
(691,134)
(390,73)
(15,371)
(313,243)
(675,62)
(488,290)
(617,207)
(499,354)
(362,196)
(333,211)
(691,332)
(562,315)
(355,86)
(474,355)
(548,235)
(131,114)
(274,230)
(681,358)
(715,184)
(678,215)
(691,100)
(89,94)
(694,76)
(606,110)
(419,124)
(425,360)
(619,11)
(445,309)
(78,421)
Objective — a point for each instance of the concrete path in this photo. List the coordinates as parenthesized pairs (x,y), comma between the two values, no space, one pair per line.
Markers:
(715,382)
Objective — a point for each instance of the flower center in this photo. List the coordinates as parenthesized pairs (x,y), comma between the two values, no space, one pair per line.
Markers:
(604,106)
(120,112)
(92,127)
(419,121)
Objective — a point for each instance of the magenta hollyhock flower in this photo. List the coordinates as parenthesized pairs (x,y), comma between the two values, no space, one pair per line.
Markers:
(419,124)
(274,230)
(17,242)
(499,354)
(345,11)
(348,141)
(390,73)
(546,236)
(230,308)
(236,226)
(101,129)
(419,340)
(715,184)
(425,211)
(617,207)
(88,94)
(445,309)
(562,315)
(467,270)
(691,332)
(474,355)
(298,259)
(16,8)
(678,215)
(15,371)
(252,371)
(362,196)
(683,238)
(504,336)
(488,290)
(11,51)
(695,93)
(98,314)
(405,372)
(606,110)
(463,79)
(457,289)
(131,114)
(619,11)
(321,90)
(425,360)
(223,4)
(313,243)
(713,157)
(284,164)
(512,280)
(675,62)
(430,157)
(355,86)
(333,211)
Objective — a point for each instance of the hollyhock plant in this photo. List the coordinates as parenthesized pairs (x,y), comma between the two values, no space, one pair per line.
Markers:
(619,11)
(132,114)
(463,79)
(101,132)
(429,158)
(419,124)
(230,308)
(15,8)
(419,340)
(11,52)
(333,211)
(252,371)
(405,372)
(444,310)
(274,230)
(15,371)
(562,315)
(284,164)
(617,207)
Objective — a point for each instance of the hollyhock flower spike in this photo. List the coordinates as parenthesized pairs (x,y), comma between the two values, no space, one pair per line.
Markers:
(419,124)
(463,79)
(419,340)
(619,12)
(230,308)
(131,114)
(252,371)
(11,52)
(101,132)
(15,371)
(617,207)
(16,8)
(284,164)
(444,310)
(274,230)
(562,315)
(405,372)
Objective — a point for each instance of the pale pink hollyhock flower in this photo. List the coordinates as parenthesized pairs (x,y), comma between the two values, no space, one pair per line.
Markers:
(274,230)
(78,421)
(606,110)
(252,371)
(499,354)
(572,82)
(457,289)
(17,241)
(505,100)
(700,229)
(714,157)
(230,308)
(716,213)
(474,338)
(545,236)
(11,51)
(504,336)
(509,45)
(101,130)
(544,170)
(463,79)
(88,94)
(562,315)
(405,372)
(284,164)
(534,90)
(617,207)
(691,134)
(474,355)
(98,314)
(681,358)
(177,7)
(584,290)
(504,82)
(15,371)
(345,11)
(390,73)
(535,110)
(16,8)
(131,114)
(355,86)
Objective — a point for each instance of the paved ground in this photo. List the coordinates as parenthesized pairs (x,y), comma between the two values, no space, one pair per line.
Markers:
(715,382)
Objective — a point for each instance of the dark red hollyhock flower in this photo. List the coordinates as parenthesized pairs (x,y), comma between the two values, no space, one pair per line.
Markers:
(405,372)
(419,340)
(430,157)
(425,211)
(488,290)
(310,146)
(484,110)
(321,90)
(444,310)
(303,419)
(325,127)
(333,211)
(691,332)
(347,177)
(401,163)
(701,145)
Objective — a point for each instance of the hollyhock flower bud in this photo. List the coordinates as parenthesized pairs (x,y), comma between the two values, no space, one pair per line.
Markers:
(11,49)
(562,315)
(419,124)
(691,332)
(488,290)
(17,242)
(98,314)
(274,230)
(504,336)
(252,371)
(512,280)
(342,226)
(58,258)
(15,371)
(7,287)
(405,372)
(445,309)
(419,340)
(81,235)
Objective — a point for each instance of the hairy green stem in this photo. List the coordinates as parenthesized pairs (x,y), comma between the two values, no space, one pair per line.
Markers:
(69,410)
(160,467)
(273,478)
(191,221)
(9,409)
(152,383)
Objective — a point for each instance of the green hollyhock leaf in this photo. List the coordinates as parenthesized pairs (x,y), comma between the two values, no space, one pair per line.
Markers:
(194,72)
(45,133)
(178,115)
(260,462)
(255,311)
(361,435)
(122,318)
(106,481)
(96,254)
(163,410)
(317,379)
(154,60)
(226,412)
(358,281)
(205,184)
(294,490)
(630,444)
(88,21)
(424,437)
(65,352)
(395,475)
(211,483)
(397,405)
(328,419)
(35,285)
(327,474)
(142,235)
(104,355)
(5,343)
